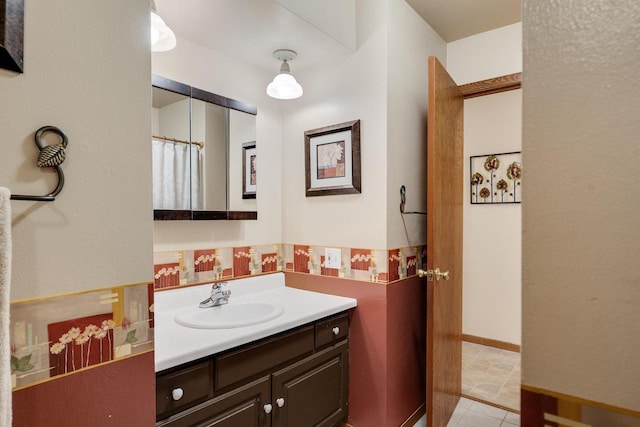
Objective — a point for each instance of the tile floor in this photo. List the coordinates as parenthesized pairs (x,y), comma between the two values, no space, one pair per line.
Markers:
(491,374)
(470,413)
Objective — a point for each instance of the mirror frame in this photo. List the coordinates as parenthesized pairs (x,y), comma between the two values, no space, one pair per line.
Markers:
(212,98)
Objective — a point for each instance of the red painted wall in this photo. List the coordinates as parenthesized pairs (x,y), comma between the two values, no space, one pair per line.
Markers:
(406,348)
(121,393)
(533,406)
(387,348)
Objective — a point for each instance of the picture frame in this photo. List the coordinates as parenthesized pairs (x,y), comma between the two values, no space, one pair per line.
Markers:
(332,159)
(249,175)
(495,178)
(12,35)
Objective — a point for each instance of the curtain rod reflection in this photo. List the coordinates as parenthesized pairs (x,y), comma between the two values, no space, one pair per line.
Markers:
(179,141)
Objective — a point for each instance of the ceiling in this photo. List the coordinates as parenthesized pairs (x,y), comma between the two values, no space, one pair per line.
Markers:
(456,19)
(250,30)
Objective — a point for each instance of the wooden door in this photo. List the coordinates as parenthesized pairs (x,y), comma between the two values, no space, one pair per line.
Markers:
(444,244)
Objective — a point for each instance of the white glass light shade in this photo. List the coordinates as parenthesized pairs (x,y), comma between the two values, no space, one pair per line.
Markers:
(284,86)
(162,38)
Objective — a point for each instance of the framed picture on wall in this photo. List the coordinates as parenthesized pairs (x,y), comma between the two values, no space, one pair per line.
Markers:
(332,159)
(249,178)
(496,178)
(12,35)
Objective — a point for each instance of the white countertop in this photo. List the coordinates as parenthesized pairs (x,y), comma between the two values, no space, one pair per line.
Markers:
(176,344)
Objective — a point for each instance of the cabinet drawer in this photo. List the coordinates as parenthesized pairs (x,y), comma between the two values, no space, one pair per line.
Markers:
(194,383)
(331,330)
(237,366)
(243,407)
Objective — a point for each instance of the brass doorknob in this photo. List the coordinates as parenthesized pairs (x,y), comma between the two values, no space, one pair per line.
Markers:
(441,275)
(426,273)
(431,274)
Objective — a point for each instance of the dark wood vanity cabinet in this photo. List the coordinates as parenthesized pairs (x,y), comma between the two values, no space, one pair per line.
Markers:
(296,378)
(312,392)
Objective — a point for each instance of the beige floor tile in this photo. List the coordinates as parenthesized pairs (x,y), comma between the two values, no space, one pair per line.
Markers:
(500,371)
(485,391)
(491,374)
(477,419)
(488,410)
(512,418)
(508,400)
(479,365)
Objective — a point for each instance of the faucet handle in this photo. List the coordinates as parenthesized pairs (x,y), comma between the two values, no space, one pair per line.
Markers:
(218,285)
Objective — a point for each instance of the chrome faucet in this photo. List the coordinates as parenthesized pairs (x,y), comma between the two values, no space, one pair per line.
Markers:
(219,296)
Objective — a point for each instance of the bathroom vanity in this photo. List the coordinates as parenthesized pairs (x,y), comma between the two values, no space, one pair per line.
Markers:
(291,370)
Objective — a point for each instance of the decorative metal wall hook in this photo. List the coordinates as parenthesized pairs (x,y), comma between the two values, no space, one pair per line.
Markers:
(51,156)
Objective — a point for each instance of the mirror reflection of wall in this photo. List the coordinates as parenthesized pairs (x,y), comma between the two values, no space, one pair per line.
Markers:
(242,130)
(209,124)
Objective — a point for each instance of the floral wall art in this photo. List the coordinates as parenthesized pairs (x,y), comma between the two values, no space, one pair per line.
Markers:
(67,333)
(496,178)
(332,159)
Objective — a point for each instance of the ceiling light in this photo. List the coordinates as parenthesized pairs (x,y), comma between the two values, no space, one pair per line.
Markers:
(284,85)
(162,38)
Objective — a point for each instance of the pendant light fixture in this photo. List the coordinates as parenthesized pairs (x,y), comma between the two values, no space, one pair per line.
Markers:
(284,85)
(162,38)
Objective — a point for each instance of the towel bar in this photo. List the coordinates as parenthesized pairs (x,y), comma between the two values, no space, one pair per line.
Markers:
(50,156)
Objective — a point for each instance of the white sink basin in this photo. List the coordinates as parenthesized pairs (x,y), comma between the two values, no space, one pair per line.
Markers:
(232,315)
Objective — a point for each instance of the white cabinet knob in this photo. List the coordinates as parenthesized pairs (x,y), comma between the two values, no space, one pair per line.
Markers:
(280,402)
(267,408)
(177,393)
(336,331)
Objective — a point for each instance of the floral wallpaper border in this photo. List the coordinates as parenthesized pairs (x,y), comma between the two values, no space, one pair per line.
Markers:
(185,267)
(68,333)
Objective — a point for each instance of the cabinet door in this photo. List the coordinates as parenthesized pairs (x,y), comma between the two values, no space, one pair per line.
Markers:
(244,406)
(193,384)
(314,391)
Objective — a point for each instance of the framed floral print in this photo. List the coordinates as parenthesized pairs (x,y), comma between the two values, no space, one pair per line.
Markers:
(332,159)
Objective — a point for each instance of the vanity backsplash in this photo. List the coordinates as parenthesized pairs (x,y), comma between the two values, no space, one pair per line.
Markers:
(186,267)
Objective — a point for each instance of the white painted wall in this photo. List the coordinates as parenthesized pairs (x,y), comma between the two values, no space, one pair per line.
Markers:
(214,132)
(486,55)
(335,18)
(211,71)
(344,89)
(87,71)
(411,42)
(377,84)
(492,234)
(581,228)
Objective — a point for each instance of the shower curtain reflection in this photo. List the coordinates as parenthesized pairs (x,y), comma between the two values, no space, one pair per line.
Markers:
(177,175)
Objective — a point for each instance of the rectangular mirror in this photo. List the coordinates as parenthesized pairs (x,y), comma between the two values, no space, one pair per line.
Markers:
(172,151)
(209,127)
(199,147)
(242,161)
